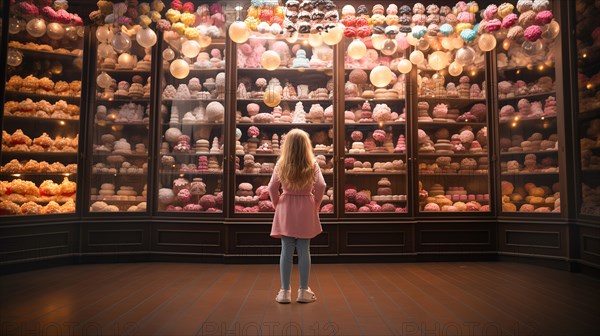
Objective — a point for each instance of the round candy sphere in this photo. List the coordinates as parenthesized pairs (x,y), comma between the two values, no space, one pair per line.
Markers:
(315,40)
(14,25)
(168,54)
(378,40)
(357,49)
(389,47)
(105,50)
(270,60)
(438,60)
(55,31)
(179,68)
(416,57)
(381,76)
(532,48)
(239,32)
(334,35)
(104,80)
(14,57)
(146,37)
(272,98)
(72,33)
(455,69)
(104,34)
(36,27)
(121,42)
(487,42)
(464,56)
(190,48)
(404,66)
(551,30)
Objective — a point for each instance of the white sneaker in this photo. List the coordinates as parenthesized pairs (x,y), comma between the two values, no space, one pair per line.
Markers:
(306,296)
(284,296)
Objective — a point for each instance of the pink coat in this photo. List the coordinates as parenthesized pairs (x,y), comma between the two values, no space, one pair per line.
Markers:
(297,212)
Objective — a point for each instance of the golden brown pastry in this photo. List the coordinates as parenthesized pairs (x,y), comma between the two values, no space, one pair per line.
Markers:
(30,84)
(23,187)
(18,137)
(31,208)
(51,208)
(8,208)
(67,187)
(14,166)
(49,188)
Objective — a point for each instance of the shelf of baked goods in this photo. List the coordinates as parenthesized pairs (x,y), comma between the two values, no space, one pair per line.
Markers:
(550,151)
(201,99)
(40,111)
(285,125)
(107,123)
(125,71)
(37,96)
(22,191)
(526,111)
(295,100)
(536,95)
(20,145)
(375,124)
(121,100)
(45,50)
(286,71)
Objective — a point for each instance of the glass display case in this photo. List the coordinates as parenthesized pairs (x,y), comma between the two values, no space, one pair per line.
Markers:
(452,119)
(296,93)
(528,124)
(120,119)
(191,129)
(375,138)
(588,118)
(41,118)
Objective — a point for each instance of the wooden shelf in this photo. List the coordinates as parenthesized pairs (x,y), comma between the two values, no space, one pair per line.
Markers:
(453,155)
(37,119)
(104,123)
(123,100)
(553,151)
(374,154)
(133,155)
(437,124)
(469,174)
(529,173)
(175,101)
(528,96)
(23,174)
(384,173)
(124,71)
(451,101)
(374,124)
(528,120)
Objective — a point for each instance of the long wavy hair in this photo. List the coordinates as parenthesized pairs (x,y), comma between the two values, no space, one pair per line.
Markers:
(296,163)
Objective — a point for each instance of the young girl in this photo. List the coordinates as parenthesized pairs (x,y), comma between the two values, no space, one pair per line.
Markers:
(296,218)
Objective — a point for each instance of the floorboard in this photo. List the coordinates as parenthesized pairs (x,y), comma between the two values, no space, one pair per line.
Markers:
(476,298)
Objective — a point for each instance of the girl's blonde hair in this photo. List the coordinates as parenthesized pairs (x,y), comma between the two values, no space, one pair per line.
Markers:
(296,163)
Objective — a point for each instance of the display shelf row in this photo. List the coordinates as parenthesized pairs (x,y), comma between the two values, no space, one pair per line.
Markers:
(37,96)
(527,96)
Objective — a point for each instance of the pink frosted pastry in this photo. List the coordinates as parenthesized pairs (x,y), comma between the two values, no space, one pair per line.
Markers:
(207,201)
(527,208)
(532,33)
(509,20)
(184,195)
(493,25)
(350,207)
(431,207)
(490,12)
(544,17)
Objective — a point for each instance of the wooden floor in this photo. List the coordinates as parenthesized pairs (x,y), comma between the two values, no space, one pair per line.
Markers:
(494,298)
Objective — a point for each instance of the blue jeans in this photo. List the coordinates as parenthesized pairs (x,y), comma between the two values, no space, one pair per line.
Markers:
(302,247)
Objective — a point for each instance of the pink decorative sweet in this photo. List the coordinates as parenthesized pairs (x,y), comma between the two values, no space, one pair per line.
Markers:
(509,20)
(327,208)
(544,17)
(350,194)
(527,208)
(532,33)
(400,145)
(356,135)
(493,25)
(207,201)
(480,111)
(350,207)
(388,207)
(364,209)
(265,206)
(440,110)
(473,206)
(192,207)
(431,207)
(252,109)
(361,198)
(253,131)
(490,12)
(184,195)
(379,135)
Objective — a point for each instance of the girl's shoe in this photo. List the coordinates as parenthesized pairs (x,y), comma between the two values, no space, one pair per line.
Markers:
(284,296)
(306,296)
